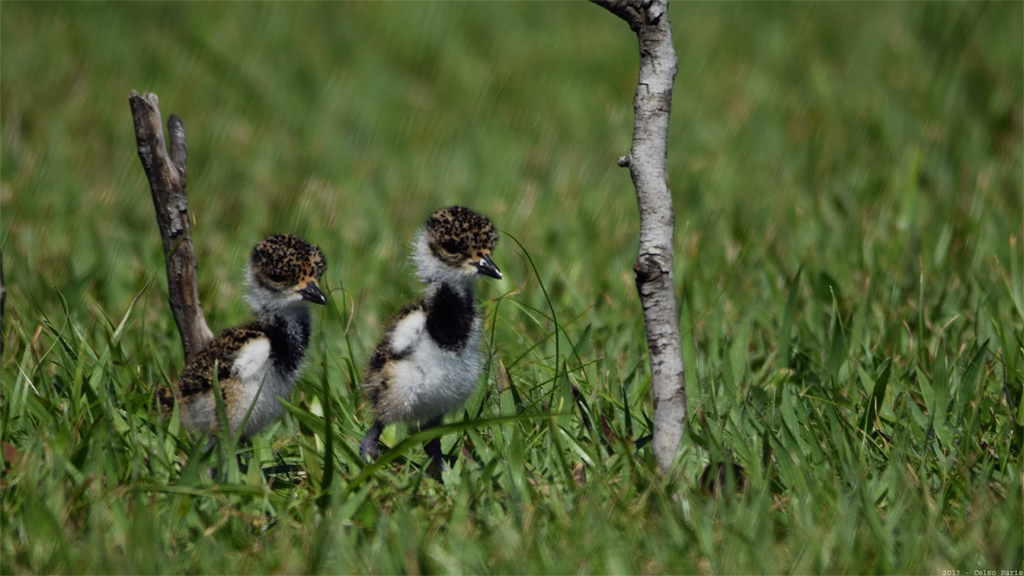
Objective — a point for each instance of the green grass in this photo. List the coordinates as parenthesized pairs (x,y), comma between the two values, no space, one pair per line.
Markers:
(849,230)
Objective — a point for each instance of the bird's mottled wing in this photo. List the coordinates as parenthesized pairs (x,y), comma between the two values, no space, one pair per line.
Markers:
(406,330)
(198,375)
(386,348)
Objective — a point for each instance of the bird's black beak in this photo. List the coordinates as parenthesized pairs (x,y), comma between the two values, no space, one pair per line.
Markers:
(312,293)
(486,267)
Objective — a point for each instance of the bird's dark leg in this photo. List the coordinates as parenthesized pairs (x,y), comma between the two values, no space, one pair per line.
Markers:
(433,449)
(369,448)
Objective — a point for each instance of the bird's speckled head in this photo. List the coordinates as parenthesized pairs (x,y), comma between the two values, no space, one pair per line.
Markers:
(285,269)
(456,242)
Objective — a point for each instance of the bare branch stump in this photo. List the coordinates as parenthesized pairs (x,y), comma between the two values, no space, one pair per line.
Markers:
(167,183)
(647,162)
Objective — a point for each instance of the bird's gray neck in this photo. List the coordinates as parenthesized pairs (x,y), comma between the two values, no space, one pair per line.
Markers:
(461,286)
(295,315)
(285,322)
(448,296)
(288,329)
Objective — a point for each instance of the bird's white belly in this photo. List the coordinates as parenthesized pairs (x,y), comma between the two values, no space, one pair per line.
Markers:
(261,393)
(431,381)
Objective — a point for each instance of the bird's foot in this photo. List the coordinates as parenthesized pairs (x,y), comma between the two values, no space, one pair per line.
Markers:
(369,448)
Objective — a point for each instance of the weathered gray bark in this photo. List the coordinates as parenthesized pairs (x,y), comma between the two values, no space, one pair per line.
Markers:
(167,183)
(647,166)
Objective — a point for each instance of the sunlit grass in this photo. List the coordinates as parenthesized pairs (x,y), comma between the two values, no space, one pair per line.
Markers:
(847,180)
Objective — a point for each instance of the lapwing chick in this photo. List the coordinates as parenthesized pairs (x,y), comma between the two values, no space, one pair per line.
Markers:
(258,362)
(428,360)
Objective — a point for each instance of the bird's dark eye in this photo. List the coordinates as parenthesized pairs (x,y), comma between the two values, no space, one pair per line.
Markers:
(276,278)
(450,246)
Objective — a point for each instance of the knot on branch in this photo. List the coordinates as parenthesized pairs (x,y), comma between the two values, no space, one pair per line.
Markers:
(647,269)
(655,10)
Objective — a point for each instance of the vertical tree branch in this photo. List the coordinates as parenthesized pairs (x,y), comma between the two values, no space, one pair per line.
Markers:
(647,162)
(167,183)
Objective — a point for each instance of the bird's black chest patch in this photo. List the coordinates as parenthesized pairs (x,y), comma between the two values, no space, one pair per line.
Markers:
(450,318)
(288,342)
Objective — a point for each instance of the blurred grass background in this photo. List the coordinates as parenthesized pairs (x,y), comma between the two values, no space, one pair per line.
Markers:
(848,185)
